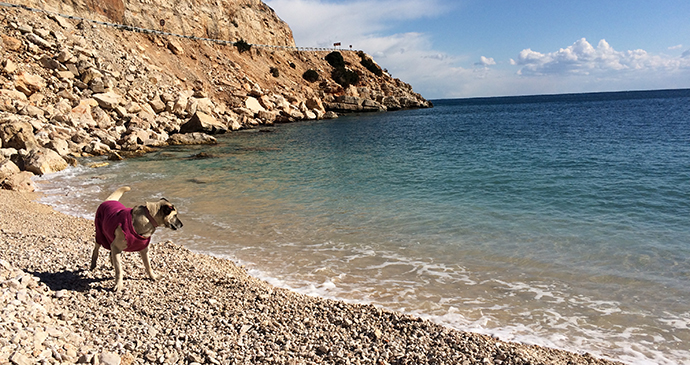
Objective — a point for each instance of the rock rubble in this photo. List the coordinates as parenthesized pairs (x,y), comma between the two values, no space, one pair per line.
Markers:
(70,89)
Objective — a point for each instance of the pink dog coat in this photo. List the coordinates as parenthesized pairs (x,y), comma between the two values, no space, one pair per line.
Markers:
(112,214)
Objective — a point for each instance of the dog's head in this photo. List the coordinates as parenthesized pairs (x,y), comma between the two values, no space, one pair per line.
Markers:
(168,214)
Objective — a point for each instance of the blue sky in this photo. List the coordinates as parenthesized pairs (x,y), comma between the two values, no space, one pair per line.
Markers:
(472,48)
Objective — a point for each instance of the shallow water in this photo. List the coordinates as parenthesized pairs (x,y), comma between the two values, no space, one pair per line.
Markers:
(555,220)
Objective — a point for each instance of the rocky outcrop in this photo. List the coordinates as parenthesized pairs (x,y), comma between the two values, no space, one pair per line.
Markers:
(71,88)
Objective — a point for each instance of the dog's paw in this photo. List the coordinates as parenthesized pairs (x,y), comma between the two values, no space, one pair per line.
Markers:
(154,277)
(118,287)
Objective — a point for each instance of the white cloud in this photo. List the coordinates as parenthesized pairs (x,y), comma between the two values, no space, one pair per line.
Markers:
(676,47)
(369,25)
(485,62)
(320,23)
(581,58)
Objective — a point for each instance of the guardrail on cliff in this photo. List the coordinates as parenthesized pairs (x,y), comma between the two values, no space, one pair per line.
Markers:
(158,32)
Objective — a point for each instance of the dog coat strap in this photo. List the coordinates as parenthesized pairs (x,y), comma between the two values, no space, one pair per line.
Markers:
(150,218)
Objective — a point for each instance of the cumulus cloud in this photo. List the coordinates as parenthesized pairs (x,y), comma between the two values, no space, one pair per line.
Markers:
(581,58)
(485,62)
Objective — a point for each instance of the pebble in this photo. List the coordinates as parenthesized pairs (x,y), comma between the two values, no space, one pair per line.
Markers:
(205,310)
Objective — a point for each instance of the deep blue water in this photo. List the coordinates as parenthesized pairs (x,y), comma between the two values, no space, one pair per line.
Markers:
(558,220)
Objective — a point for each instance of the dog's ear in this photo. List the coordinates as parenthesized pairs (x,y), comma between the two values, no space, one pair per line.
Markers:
(166,209)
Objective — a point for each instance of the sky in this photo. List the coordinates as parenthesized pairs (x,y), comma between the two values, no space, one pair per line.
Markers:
(478,48)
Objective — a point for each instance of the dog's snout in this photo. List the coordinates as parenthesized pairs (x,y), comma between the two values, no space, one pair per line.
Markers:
(177,224)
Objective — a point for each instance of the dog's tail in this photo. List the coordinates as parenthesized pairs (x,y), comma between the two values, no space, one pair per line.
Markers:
(117,194)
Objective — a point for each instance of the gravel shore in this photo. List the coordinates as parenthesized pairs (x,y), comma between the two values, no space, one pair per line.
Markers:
(203,310)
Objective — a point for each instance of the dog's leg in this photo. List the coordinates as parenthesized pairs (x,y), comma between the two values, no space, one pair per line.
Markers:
(119,244)
(147,264)
(115,260)
(94,256)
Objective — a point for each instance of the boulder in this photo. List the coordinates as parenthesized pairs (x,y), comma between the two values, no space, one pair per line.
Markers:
(81,115)
(175,48)
(28,83)
(33,38)
(107,101)
(191,138)
(59,145)
(330,115)
(9,67)
(235,125)
(253,104)
(13,44)
(202,122)
(314,103)
(157,104)
(19,182)
(7,168)
(17,134)
(13,94)
(44,161)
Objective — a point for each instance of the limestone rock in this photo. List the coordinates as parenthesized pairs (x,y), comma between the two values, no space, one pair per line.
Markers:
(108,100)
(8,66)
(42,160)
(28,83)
(17,134)
(19,182)
(59,145)
(7,168)
(13,44)
(175,48)
(254,105)
(202,122)
(157,104)
(191,139)
(33,38)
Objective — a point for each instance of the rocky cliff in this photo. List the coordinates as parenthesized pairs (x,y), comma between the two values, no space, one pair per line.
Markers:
(86,77)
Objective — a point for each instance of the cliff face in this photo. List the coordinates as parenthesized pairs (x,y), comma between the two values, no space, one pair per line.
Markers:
(251,20)
(72,88)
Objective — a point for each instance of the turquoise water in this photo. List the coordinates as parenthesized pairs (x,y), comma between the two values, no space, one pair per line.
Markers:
(553,220)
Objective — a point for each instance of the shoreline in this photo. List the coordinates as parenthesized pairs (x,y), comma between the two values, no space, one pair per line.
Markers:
(203,310)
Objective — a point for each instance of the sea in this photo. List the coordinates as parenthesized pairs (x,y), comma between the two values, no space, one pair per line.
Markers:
(556,220)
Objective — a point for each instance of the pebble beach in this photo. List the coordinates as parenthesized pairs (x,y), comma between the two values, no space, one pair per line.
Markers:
(203,310)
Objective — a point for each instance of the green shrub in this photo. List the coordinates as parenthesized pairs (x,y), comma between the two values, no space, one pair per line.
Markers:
(275,72)
(310,75)
(345,77)
(243,46)
(335,59)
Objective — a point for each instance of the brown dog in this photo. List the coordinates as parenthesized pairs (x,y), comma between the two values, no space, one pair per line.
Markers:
(119,228)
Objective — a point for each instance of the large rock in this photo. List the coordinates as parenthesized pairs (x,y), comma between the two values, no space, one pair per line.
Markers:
(191,138)
(202,122)
(7,168)
(19,182)
(204,105)
(108,100)
(59,145)
(28,83)
(17,134)
(44,161)
(254,105)
(13,94)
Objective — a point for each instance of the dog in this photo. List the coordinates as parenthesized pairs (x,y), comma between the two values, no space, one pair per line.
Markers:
(119,228)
